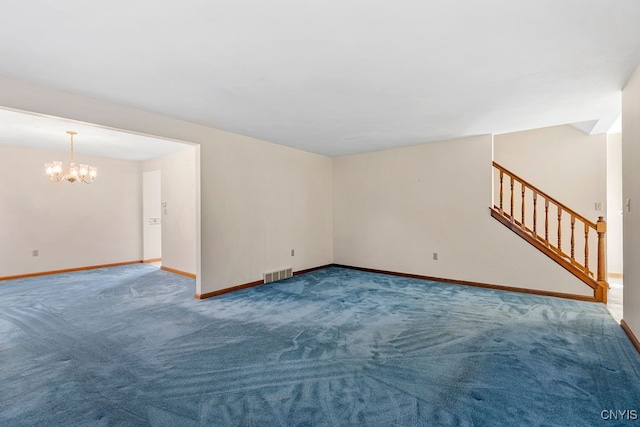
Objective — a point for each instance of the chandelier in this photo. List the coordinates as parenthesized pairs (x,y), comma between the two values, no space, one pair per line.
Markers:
(82,172)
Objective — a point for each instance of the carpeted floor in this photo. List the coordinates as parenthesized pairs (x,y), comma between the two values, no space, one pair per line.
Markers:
(131,346)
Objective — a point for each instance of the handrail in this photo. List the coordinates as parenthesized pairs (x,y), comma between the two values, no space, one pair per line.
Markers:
(544,242)
(545,195)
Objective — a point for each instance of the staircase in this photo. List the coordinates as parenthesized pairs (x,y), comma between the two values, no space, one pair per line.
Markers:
(552,228)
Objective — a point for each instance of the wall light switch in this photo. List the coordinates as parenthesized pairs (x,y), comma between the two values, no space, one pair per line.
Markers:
(598,206)
(435,256)
(35,252)
(293,252)
(627,205)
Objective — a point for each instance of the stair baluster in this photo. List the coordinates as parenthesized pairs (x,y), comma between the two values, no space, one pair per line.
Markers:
(573,240)
(535,213)
(546,221)
(501,179)
(559,229)
(511,210)
(586,248)
(522,206)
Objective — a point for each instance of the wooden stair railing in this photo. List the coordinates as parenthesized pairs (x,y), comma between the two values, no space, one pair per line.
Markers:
(528,227)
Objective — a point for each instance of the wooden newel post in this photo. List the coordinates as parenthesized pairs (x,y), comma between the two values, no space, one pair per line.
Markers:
(601,229)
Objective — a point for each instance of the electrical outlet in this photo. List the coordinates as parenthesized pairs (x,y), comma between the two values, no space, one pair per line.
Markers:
(435,256)
(293,252)
(598,206)
(35,252)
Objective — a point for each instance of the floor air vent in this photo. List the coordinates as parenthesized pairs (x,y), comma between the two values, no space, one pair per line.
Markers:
(278,275)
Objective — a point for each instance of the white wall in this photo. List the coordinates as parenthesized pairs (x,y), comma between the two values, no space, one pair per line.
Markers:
(631,190)
(393,209)
(239,177)
(614,204)
(72,225)
(152,214)
(179,210)
(248,187)
(260,201)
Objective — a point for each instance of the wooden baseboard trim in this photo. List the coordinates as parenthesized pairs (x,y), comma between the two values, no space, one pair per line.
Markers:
(252,284)
(227,290)
(68,270)
(615,275)
(413,276)
(309,270)
(148,261)
(180,272)
(475,284)
(630,334)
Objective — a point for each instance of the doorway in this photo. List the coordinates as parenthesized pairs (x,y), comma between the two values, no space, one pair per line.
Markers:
(615,210)
(152,217)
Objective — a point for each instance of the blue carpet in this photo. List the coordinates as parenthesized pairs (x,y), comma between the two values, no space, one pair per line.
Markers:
(131,346)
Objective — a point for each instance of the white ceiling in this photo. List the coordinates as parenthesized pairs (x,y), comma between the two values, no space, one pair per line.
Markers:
(336,77)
